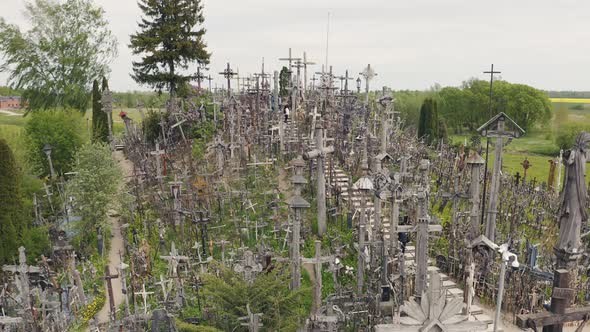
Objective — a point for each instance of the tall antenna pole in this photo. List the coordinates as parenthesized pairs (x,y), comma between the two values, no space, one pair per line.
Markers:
(327,40)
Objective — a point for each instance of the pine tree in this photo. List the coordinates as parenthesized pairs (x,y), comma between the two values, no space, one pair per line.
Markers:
(170,37)
(100,131)
(284,77)
(12,220)
(428,125)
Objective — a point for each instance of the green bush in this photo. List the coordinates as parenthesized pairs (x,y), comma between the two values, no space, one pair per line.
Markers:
(566,134)
(63,130)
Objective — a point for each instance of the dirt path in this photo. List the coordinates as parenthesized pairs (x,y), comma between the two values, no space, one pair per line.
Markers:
(116,246)
(10,113)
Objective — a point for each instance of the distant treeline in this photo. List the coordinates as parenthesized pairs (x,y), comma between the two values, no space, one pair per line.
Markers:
(6,91)
(568,94)
(128,99)
(133,98)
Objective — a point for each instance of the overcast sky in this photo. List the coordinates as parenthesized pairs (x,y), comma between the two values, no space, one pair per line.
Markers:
(412,44)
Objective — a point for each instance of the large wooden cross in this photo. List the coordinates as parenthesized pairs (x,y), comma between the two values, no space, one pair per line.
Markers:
(319,153)
(108,277)
(228,73)
(560,312)
(317,262)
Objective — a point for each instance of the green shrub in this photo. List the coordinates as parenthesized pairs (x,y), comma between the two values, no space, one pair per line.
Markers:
(63,130)
(566,134)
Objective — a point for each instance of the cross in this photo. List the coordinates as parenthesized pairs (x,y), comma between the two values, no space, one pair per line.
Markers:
(290,59)
(560,312)
(317,261)
(314,116)
(319,153)
(249,266)
(313,79)
(491,72)
(209,78)
(108,277)
(228,73)
(305,63)
(144,295)
(495,127)
(162,283)
(422,229)
(368,73)
(173,259)
(222,244)
(526,164)
(176,190)
(253,323)
(158,154)
(23,270)
(199,77)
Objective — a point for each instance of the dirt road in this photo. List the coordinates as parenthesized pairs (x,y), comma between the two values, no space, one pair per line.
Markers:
(116,246)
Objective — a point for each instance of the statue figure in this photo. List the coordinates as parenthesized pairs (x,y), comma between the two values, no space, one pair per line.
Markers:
(572,210)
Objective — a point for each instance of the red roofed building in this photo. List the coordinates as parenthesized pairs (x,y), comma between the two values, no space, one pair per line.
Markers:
(10,102)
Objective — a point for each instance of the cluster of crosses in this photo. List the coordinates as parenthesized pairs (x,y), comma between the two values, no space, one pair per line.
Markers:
(330,136)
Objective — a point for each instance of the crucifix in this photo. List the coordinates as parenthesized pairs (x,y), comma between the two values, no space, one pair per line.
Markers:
(176,190)
(319,153)
(317,262)
(108,277)
(297,203)
(158,154)
(228,73)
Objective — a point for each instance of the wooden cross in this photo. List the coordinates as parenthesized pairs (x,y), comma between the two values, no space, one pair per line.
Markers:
(290,59)
(199,77)
(158,154)
(560,312)
(317,262)
(173,259)
(108,277)
(144,295)
(253,323)
(228,73)
(320,153)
